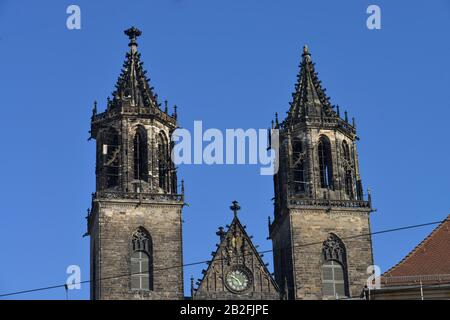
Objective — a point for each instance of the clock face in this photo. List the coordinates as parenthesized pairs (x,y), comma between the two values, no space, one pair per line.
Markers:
(238,279)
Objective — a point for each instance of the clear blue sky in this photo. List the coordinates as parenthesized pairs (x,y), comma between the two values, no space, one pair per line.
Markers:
(230,64)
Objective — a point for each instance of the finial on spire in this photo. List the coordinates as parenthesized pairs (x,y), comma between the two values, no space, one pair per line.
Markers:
(221,233)
(166,109)
(175,115)
(305,49)
(133,33)
(235,207)
(306,54)
(94,109)
(276,119)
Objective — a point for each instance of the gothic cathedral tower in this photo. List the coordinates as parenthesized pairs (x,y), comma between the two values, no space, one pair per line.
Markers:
(320,211)
(135,220)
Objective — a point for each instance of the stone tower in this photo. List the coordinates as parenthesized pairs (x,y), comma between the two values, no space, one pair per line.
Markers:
(236,271)
(135,222)
(319,203)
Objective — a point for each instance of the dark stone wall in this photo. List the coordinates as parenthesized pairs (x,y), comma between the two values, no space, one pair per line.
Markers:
(306,230)
(115,223)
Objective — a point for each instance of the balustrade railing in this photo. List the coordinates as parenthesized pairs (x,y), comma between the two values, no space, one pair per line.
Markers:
(330,203)
(116,195)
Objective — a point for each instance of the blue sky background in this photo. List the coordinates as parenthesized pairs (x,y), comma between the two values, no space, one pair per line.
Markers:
(230,64)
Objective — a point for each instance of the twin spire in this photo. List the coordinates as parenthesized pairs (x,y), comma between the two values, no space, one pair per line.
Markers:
(133,89)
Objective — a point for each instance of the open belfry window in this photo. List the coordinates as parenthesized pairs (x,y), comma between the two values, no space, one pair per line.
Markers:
(163,162)
(325,162)
(140,154)
(348,179)
(109,157)
(298,167)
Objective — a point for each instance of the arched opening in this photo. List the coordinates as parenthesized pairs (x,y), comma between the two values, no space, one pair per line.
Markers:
(109,157)
(348,180)
(346,150)
(349,184)
(141,261)
(334,268)
(163,162)
(298,167)
(325,163)
(140,154)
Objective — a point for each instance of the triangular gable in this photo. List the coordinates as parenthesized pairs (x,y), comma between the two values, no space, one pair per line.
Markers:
(236,255)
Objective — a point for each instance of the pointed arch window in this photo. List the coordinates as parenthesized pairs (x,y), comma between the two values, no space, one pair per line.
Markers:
(163,162)
(325,163)
(298,166)
(141,261)
(334,268)
(140,154)
(349,183)
(109,157)
(346,150)
(348,169)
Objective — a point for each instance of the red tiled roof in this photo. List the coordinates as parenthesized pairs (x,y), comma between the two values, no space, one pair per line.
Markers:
(428,262)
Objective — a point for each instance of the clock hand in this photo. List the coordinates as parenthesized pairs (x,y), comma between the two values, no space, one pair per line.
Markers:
(239,281)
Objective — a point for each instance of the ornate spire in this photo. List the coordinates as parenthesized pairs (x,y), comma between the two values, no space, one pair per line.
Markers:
(132,87)
(309,97)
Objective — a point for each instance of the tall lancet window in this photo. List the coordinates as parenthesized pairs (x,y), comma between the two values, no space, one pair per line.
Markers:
(349,183)
(334,267)
(325,163)
(348,180)
(346,150)
(163,162)
(109,157)
(140,154)
(298,167)
(141,260)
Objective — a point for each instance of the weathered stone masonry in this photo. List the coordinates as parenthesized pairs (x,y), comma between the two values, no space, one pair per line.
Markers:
(135,223)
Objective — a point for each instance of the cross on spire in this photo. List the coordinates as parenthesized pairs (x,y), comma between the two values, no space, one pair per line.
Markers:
(235,207)
(133,33)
